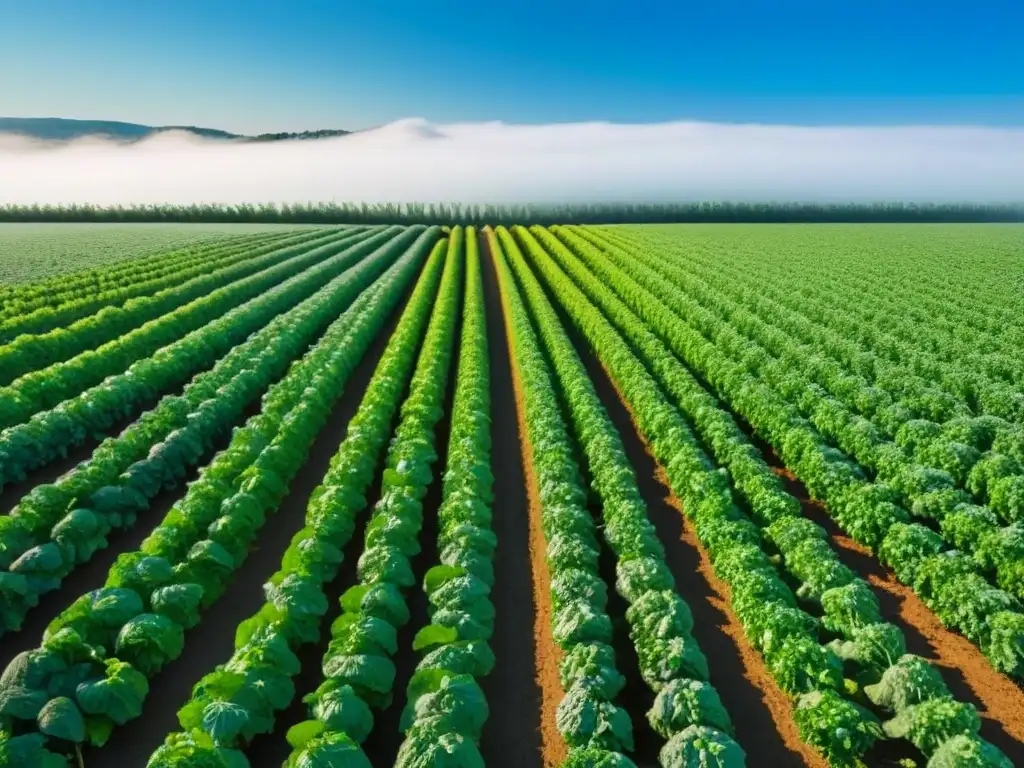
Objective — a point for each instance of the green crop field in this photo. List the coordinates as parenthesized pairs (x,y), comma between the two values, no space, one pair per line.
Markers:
(688,495)
(36,251)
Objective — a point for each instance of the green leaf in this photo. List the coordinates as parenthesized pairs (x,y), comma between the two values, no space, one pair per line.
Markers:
(439,574)
(341,709)
(682,703)
(21,703)
(224,720)
(98,730)
(701,746)
(118,696)
(433,635)
(333,750)
(424,747)
(61,719)
(301,733)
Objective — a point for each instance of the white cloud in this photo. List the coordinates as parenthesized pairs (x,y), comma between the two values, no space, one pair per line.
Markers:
(414,160)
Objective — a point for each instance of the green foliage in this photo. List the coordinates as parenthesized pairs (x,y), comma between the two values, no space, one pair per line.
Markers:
(48,250)
(840,729)
(699,746)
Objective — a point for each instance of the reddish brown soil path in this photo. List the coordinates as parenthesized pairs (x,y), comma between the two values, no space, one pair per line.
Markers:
(546,654)
(969,675)
(513,734)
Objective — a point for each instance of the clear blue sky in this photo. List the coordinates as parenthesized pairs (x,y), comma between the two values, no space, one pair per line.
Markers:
(278,65)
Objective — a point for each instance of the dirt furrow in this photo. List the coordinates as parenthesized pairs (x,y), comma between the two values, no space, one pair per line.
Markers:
(524,689)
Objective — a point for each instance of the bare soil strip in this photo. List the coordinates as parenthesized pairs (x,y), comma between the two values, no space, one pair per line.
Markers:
(524,689)
(212,641)
(966,671)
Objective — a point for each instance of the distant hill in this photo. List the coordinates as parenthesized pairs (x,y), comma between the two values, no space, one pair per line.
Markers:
(64,129)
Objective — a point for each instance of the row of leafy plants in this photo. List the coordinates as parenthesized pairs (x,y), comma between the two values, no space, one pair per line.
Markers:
(59,310)
(358,663)
(96,410)
(938,329)
(935,287)
(90,673)
(20,299)
(935,359)
(980,454)
(977,454)
(108,492)
(687,710)
(47,387)
(790,638)
(241,698)
(948,581)
(36,351)
(445,707)
(596,730)
(867,337)
(919,377)
(776,627)
(926,466)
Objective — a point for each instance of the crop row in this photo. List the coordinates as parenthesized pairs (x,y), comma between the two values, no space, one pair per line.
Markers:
(924,468)
(947,581)
(789,637)
(595,728)
(47,387)
(226,361)
(933,355)
(59,308)
(687,710)
(37,351)
(257,682)
(90,673)
(96,409)
(110,490)
(52,292)
(444,704)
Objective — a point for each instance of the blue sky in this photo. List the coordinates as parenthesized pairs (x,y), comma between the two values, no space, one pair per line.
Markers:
(277,65)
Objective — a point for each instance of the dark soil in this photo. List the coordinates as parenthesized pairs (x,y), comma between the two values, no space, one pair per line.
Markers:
(512,734)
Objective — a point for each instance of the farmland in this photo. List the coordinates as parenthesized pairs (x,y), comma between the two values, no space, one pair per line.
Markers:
(30,251)
(586,496)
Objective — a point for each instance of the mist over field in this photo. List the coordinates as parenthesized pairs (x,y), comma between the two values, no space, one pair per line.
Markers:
(415,160)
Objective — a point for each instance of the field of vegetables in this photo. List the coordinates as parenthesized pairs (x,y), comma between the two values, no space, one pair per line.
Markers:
(36,251)
(690,496)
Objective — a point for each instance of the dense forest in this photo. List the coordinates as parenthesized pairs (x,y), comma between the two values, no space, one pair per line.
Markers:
(545,214)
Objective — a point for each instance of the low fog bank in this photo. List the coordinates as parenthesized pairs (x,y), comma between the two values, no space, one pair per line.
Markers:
(415,160)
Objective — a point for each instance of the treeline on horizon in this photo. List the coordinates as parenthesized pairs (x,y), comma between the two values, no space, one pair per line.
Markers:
(545,214)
